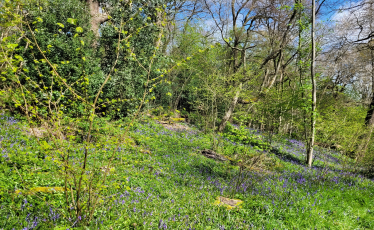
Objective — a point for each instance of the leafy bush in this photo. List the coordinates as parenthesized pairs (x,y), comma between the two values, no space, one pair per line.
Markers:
(244,136)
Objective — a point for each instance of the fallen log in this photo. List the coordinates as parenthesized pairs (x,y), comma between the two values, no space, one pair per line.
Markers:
(213,155)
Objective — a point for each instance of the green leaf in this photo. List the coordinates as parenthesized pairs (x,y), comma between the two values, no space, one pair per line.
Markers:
(11,46)
(60,25)
(79,29)
(84,58)
(82,42)
(72,21)
(18,57)
(61,228)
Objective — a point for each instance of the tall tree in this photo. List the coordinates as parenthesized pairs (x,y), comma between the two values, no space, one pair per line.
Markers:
(314,88)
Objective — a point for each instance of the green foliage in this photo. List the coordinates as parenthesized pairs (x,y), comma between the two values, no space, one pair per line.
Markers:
(10,21)
(244,136)
(54,25)
(134,67)
(61,90)
(196,81)
(62,32)
(342,125)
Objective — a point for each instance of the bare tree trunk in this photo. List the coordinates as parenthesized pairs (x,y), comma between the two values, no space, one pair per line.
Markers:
(369,119)
(277,67)
(97,18)
(314,95)
(159,22)
(229,112)
(264,81)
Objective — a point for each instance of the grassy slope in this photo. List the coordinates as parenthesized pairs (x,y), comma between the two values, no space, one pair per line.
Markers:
(173,187)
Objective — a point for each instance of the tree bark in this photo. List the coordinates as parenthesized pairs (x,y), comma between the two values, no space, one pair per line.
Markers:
(97,18)
(369,119)
(159,22)
(314,95)
(277,67)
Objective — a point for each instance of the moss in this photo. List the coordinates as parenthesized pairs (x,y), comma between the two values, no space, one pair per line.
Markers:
(41,190)
(178,119)
(228,203)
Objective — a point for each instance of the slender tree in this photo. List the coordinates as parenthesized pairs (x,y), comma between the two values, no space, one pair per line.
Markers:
(314,89)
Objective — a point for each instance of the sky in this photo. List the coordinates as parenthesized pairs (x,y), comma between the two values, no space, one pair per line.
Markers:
(329,14)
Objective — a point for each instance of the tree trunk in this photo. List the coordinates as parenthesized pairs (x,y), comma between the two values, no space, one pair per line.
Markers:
(369,119)
(97,18)
(229,112)
(314,95)
(264,81)
(159,22)
(277,67)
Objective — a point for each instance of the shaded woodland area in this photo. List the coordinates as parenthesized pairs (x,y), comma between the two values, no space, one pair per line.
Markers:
(84,78)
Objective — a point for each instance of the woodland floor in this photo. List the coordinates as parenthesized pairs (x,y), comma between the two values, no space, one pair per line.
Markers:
(163,182)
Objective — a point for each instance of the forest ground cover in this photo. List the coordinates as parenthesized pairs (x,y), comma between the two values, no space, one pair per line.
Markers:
(161,181)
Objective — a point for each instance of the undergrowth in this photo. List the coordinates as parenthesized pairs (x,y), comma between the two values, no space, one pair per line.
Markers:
(161,181)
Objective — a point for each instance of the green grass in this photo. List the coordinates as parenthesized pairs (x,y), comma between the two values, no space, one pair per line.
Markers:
(172,186)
